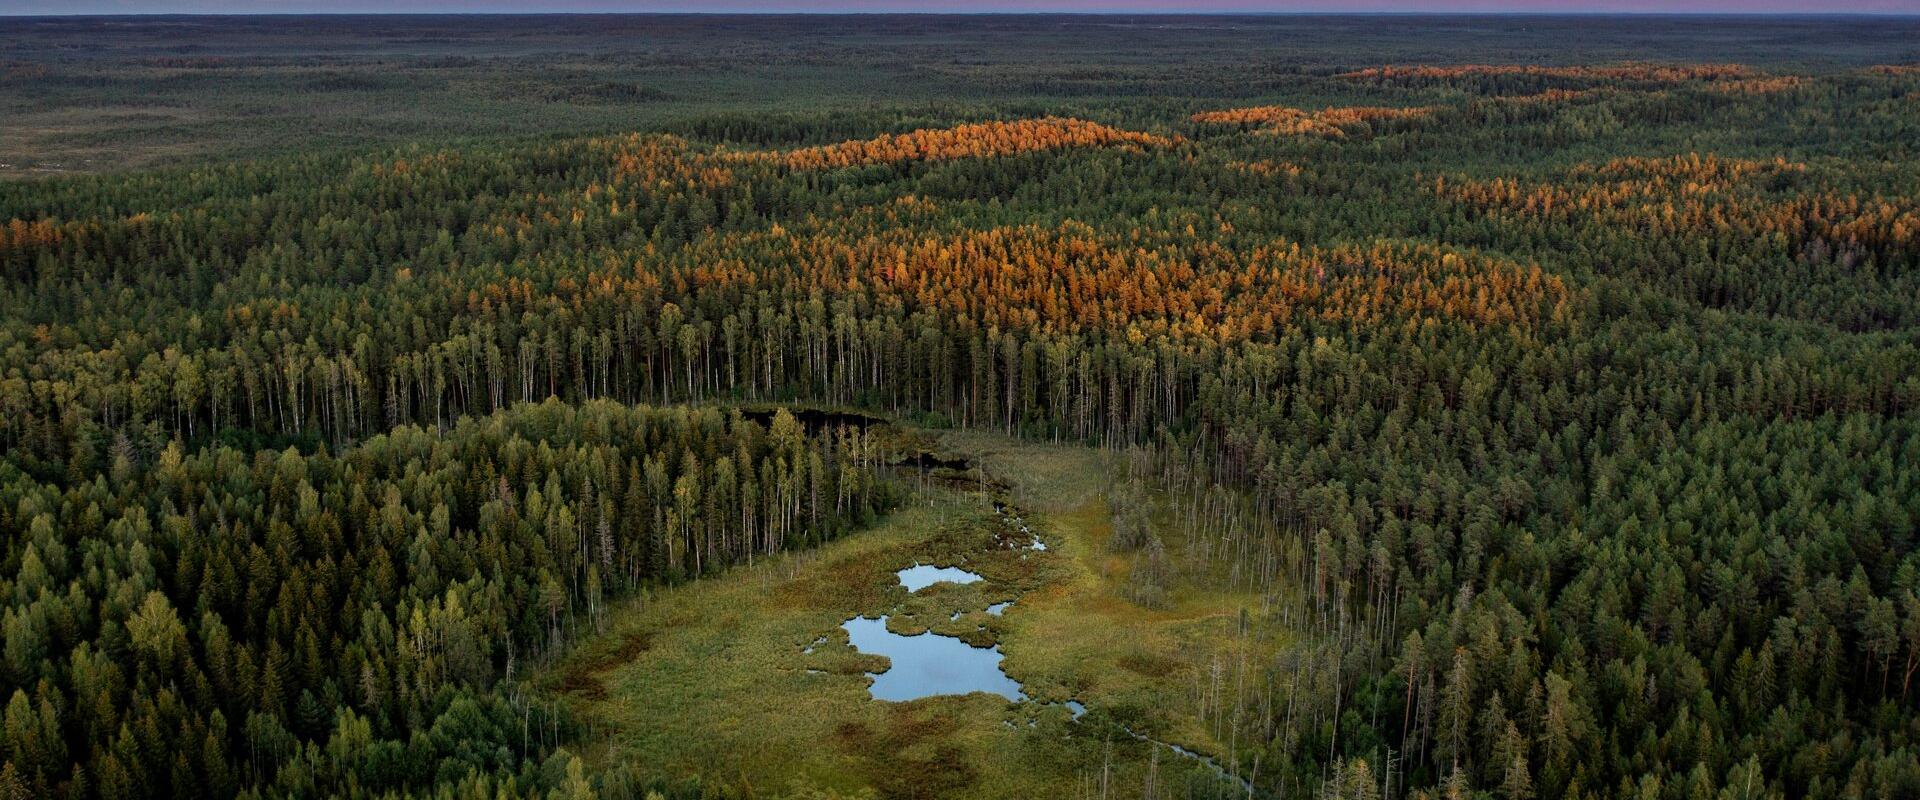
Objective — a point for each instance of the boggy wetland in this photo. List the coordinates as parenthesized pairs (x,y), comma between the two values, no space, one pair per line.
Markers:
(976,642)
(975,406)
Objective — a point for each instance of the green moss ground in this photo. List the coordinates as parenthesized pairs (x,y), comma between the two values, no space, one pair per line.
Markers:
(711,679)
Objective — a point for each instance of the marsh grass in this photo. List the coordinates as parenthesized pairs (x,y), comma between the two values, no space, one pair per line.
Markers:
(712,679)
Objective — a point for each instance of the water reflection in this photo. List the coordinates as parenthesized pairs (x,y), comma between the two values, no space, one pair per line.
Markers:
(920,576)
(929,664)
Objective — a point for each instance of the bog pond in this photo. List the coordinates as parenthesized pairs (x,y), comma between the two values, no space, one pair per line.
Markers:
(929,664)
(920,576)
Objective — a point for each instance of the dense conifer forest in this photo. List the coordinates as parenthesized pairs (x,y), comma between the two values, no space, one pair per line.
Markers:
(1563,412)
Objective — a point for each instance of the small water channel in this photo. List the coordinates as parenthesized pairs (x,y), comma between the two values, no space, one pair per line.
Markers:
(1013,519)
(1206,761)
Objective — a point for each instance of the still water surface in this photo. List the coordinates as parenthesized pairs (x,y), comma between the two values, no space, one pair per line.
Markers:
(921,576)
(929,664)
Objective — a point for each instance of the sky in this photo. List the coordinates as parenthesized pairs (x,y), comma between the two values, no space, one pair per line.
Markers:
(830,6)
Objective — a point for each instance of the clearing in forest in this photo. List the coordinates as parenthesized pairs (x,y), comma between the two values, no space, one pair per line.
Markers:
(749,679)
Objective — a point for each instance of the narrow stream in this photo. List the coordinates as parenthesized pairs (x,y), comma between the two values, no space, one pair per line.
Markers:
(1207,761)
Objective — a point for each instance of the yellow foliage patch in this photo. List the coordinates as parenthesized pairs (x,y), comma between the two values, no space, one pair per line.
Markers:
(1331,122)
(981,140)
(1659,73)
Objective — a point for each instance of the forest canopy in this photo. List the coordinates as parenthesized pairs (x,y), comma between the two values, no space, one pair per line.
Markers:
(1571,412)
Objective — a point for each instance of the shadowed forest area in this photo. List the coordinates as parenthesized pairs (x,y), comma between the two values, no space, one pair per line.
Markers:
(1336,407)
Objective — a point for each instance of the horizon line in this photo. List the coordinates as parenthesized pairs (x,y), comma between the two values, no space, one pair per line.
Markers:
(1915,14)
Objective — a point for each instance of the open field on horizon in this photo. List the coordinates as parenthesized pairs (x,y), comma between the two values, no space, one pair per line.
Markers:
(103,94)
(869,408)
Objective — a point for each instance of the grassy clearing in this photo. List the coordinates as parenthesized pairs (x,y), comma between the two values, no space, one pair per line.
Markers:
(712,679)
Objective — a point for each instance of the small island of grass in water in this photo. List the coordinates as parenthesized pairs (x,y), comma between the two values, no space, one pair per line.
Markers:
(929,664)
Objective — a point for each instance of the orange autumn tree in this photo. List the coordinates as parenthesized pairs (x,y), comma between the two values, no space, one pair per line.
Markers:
(1333,122)
(980,140)
(1774,237)
(1655,73)
(1759,86)
(1072,278)
(20,234)
(1692,193)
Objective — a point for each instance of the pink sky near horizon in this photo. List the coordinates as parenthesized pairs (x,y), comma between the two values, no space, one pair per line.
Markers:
(996,6)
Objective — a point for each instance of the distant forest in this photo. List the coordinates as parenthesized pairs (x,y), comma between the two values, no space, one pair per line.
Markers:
(1561,374)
